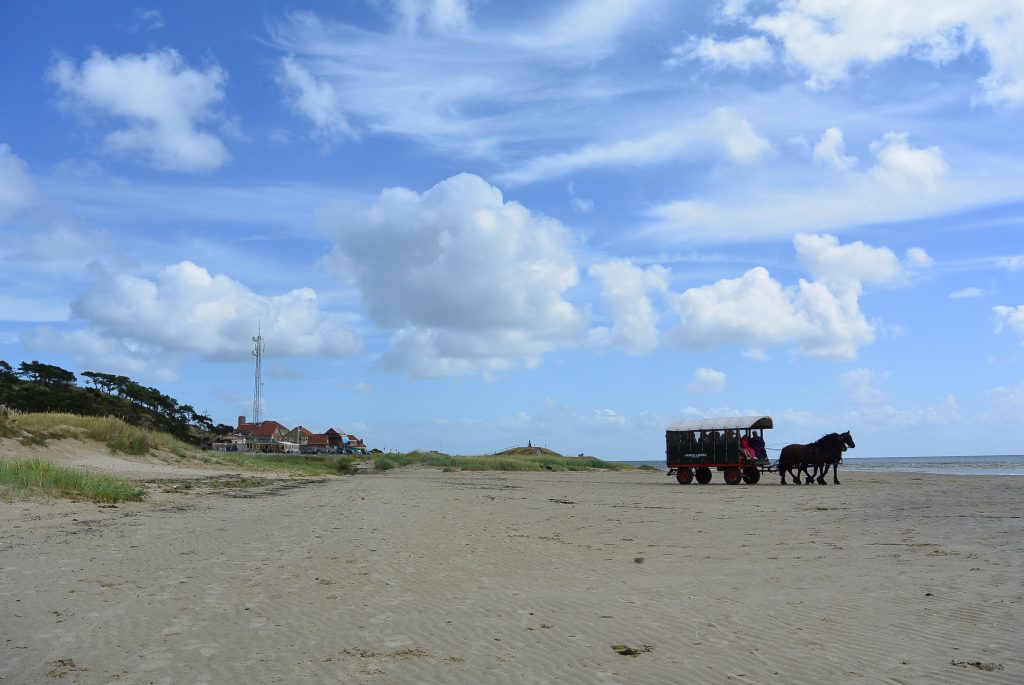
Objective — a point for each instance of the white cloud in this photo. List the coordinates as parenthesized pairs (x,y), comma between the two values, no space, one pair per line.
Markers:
(314,99)
(61,241)
(95,351)
(905,184)
(756,311)
(439,16)
(144,19)
(828,38)
(723,133)
(917,258)
(583,29)
(1008,400)
(966,293)
(624,289)
(706,381)
(580,204)
(17,188)
(859,386)
(901,165)
(830,149)
(186,310)
(469,282)
(161,100)
(500,92)
(1010,318)
(827,260)
(742,53)
(1013,263)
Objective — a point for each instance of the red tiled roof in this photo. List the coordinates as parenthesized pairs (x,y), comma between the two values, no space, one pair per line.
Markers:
(268,428)
(317,439)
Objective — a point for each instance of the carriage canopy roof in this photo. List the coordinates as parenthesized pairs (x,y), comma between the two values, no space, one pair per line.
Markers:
(724,423)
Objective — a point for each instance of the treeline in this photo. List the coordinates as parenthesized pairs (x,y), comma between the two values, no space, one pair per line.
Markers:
(39,387)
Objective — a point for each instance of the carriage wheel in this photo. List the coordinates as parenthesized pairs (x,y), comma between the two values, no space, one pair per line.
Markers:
(751,475)
(684,474)
(732,475)
(703,475)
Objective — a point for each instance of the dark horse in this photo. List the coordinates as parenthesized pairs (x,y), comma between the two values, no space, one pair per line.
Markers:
(826,452)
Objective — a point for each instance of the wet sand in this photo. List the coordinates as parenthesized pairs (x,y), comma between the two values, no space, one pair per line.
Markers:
(419,576)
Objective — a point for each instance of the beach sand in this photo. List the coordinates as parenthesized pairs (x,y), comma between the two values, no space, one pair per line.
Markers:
(420,576)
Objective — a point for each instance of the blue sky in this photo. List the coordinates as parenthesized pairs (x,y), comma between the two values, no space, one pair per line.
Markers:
(465,224)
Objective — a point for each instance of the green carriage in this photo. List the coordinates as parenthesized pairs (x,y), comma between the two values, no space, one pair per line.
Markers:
(696,447)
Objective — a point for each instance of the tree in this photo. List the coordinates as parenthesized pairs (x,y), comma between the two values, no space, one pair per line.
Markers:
(47,374)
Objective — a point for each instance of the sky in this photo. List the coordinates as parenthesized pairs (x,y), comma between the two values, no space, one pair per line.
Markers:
(462,225)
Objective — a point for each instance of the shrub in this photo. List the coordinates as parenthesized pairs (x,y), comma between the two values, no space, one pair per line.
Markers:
(383,464)
(346,464)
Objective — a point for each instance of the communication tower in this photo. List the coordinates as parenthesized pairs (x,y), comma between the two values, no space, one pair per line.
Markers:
(257,394)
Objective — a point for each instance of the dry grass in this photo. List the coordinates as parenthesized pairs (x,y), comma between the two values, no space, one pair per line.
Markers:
(36,429)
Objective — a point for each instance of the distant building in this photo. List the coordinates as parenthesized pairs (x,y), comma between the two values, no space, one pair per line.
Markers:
(271,436)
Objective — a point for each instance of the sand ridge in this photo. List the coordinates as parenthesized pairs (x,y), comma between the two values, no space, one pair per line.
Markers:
(419,576)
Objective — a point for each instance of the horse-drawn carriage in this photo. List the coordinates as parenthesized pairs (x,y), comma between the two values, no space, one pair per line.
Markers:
(735,446)
(732,445)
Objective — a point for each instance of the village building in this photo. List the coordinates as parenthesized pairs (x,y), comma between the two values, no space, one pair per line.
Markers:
(273,437)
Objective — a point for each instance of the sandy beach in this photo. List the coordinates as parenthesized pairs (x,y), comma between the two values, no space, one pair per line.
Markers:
(420,576)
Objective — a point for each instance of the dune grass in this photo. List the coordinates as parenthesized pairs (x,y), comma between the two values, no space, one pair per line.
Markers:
(504,462)
(34,476)
(37,428)
(311,464)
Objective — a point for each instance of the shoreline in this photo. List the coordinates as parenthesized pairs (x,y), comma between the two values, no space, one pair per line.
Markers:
(415,575)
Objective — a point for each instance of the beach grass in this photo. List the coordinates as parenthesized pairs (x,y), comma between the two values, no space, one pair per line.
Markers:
(514,461)
(36,428)
(308,464)
(34,476)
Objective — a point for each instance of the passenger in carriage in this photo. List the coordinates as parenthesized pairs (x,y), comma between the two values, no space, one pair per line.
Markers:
(757,442)
(746,449)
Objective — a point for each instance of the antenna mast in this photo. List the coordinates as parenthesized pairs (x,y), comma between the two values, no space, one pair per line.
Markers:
(257,395)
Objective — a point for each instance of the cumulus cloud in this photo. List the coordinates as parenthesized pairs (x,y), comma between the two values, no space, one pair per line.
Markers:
(161,101)
(188,311)
(859,386)
(723,133)
(624,290)
(469,282)
(827,39)
(742,53)
(17,188)
(917,258)
(92,349)
(1011,318)
(315,99)
(828,260)
(706,381)
(755,311)
(831,150)
(899,164)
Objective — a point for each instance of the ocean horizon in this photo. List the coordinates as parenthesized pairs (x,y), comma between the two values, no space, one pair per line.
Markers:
(962,465)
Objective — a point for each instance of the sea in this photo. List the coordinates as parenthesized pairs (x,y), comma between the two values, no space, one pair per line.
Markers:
(982,465)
